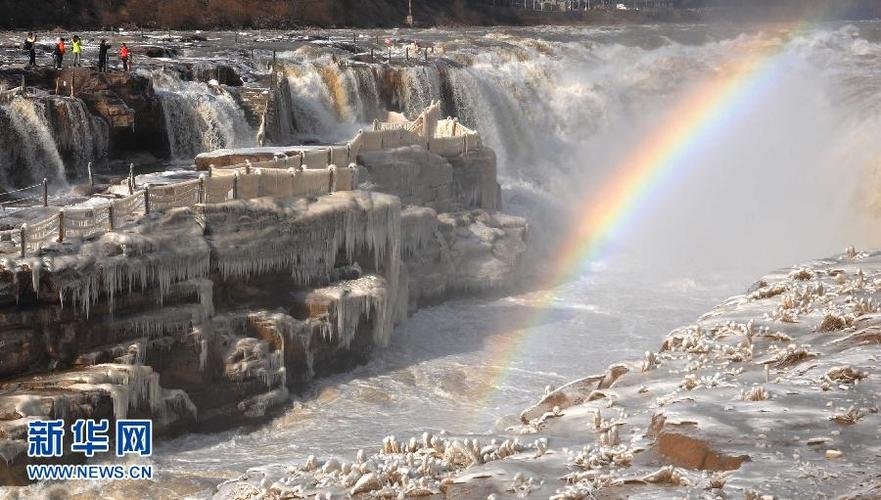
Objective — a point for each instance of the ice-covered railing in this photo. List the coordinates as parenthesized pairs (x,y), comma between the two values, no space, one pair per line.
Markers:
(444,137)
(310,172)
(87,222)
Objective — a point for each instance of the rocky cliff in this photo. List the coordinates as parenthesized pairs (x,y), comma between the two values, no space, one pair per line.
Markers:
(212,315)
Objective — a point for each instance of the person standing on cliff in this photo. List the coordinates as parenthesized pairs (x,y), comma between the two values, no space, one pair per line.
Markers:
(30,45)
(123,56)
(77,50)
(103,47)
(59,53)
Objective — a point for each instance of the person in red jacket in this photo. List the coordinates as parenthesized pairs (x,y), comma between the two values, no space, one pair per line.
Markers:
(59,53)
(123,56)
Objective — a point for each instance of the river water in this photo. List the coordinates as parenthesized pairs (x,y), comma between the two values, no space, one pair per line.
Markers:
(786,173)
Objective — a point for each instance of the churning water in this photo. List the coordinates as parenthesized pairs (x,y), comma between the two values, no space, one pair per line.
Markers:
(779,178)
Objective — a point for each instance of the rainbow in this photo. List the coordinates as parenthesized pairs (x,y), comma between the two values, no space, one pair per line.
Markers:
(704,112)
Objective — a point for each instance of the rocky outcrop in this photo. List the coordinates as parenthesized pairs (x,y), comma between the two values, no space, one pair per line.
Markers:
(212,315)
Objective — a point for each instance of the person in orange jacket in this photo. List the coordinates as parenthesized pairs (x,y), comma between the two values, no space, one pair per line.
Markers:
(123,56)
(59,53)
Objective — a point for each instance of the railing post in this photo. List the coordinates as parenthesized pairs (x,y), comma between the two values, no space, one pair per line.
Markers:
(455,123)
(45,192)
(247,167)
(131,178)
(91,177)
(72,81)
(330,156)
(201,188)
(110,216)
(23,236)
(61,225)
(235,186)
(211,170)
(147,199)
(332,170)
(354,169)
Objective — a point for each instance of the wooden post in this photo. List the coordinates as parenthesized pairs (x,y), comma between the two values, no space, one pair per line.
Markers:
(23,236)
(455,123)
(45,192)
(330,155)
(273,59)
(131,178)
(72,81)
(61,225)
(91,177)
(147,199)
(110,216)
(201,188)
(235,186)
(332,170)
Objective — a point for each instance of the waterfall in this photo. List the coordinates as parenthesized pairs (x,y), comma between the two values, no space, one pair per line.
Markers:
(324,99)
(200,117)
(28,152)
(80,137)
(564,112)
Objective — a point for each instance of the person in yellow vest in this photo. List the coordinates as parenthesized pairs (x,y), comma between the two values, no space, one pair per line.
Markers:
(77,50)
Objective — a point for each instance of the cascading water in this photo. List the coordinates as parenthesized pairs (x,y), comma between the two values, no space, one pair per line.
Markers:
(325,99)
(80,136)
(200,117)
(28,152)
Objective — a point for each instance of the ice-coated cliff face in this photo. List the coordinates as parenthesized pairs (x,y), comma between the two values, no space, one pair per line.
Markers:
(213,313)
